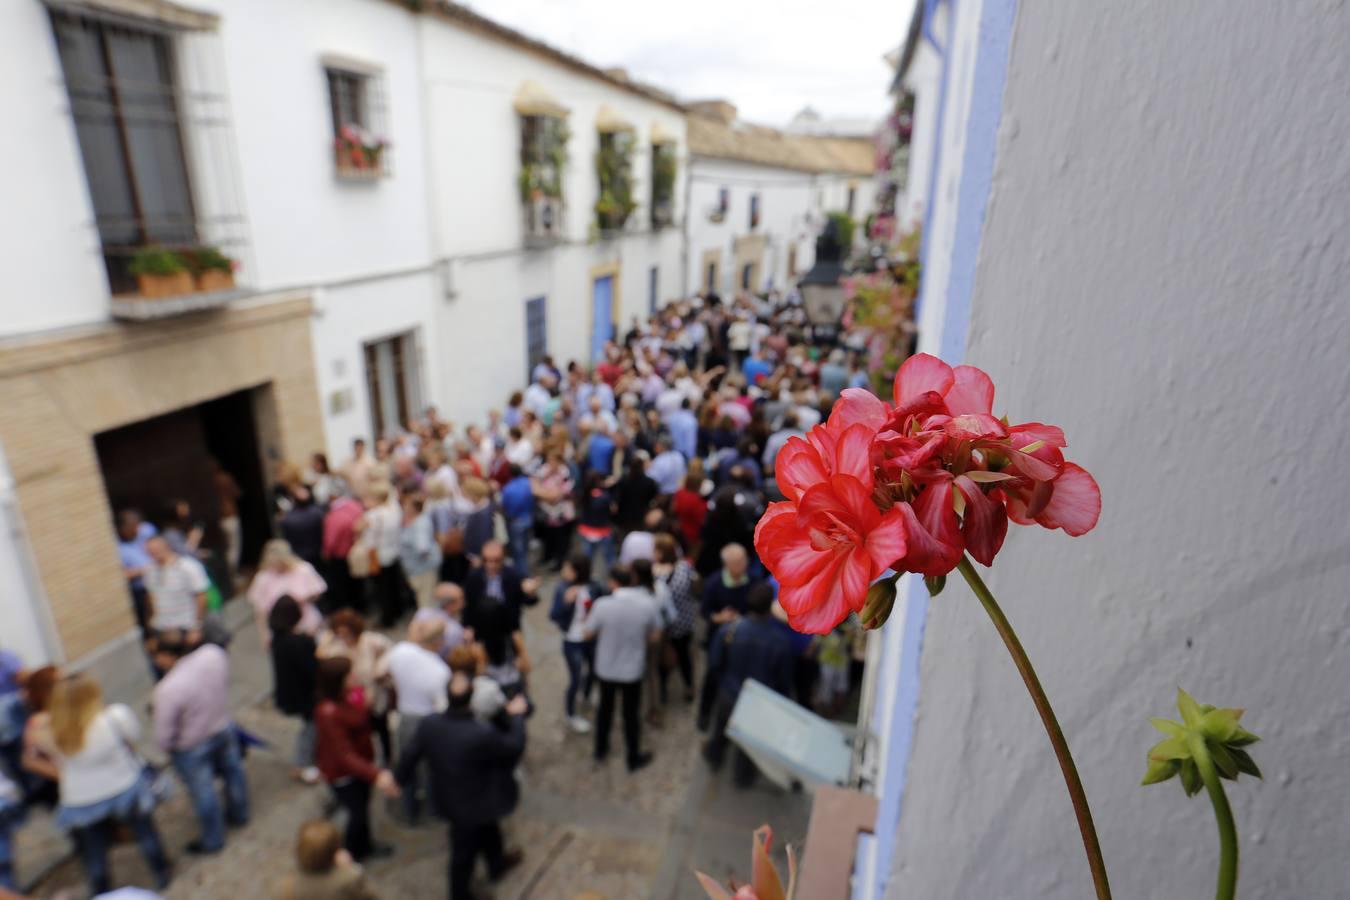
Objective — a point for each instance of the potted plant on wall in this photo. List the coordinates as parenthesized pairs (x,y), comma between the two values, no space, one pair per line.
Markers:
(160,272)
(213,270)
(614,170)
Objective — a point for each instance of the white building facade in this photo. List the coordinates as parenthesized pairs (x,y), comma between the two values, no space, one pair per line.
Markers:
(359,163)
(758,198)
(514,289)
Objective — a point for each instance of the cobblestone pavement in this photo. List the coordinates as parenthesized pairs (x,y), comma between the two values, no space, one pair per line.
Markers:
(584,828)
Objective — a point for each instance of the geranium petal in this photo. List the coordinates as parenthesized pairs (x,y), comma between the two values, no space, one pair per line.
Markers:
(1076,503)
(920,373)
(764,877)
(818,606)
(972,392)
(886,543)
(822,438)
(975,427)
(821,500)
(933,540)
(853,454)
(785,548)
(856,499)
(1035,431)
(797,467)
(714,890)
(985,523)
(857,406)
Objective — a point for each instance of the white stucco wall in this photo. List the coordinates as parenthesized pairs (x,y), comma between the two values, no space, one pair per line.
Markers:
(49,248)
(473,137)
(1162,273)
(786,204)
(924,81)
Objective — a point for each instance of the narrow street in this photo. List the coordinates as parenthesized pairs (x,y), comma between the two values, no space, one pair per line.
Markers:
(583,827)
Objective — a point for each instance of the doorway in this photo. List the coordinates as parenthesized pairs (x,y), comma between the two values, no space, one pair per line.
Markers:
(149,464)
(602,315)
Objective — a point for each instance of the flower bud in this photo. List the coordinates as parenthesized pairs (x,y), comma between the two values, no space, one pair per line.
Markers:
(877,607)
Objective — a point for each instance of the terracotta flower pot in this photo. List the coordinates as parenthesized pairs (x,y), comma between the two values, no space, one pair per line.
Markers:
(214,280)
(157,287)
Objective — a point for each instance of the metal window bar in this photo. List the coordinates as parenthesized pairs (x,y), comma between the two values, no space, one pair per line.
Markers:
(356,102)
(173,139)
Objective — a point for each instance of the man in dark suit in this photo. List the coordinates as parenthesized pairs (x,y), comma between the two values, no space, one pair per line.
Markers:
(494,583)
(472,782)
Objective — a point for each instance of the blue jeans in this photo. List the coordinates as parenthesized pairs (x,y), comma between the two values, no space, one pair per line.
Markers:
(519,532)
(605,547)
(93,842)
(579,659)
(7,857)
(198,766)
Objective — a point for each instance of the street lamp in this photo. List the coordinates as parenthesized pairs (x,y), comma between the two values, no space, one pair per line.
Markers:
(822,286)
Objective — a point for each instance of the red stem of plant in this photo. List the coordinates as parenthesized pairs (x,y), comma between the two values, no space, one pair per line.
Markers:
(1076,793)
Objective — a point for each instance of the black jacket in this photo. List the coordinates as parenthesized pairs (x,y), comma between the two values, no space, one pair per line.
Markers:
(475,592)
(472,765)
(302,528)
(293,670)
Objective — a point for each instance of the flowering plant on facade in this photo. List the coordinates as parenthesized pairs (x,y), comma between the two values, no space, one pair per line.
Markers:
(765,883)
(922,484)
(881,306)
(358,148)
(910,487)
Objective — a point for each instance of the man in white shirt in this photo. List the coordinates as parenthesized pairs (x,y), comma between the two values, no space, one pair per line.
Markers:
(668,467)
(420,678)
(177,590)
(539,393)
(622,625)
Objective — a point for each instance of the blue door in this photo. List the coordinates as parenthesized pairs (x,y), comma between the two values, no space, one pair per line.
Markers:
(602,315)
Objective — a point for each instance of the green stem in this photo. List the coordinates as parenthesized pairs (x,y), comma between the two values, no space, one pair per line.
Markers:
(1075,785)
(1228,841)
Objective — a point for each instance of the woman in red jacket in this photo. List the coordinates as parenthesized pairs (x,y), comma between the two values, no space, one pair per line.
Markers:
(345,755)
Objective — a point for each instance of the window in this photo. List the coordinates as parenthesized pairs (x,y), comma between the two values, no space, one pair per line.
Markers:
(852,197)
(792,260)
(393,382)
(710,279)
(127,122)
(614,172)
(663,184)
(754,211)
(747,277)
(536,334)
(356,105)
(652,282)
(543,158)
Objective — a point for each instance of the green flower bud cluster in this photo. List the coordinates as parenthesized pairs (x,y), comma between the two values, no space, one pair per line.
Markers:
(1202,729)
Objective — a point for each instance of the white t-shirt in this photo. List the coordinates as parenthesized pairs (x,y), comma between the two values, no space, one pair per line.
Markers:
(622,622)
(420,678)
(174,588)
(637,545)
(581,614)
(104,767)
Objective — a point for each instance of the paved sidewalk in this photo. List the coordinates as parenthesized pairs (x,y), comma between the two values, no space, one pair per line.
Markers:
(584,828)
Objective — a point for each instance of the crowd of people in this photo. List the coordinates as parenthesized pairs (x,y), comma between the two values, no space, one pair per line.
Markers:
(623,495)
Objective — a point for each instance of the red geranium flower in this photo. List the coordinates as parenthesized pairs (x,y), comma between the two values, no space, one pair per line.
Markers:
(926,480)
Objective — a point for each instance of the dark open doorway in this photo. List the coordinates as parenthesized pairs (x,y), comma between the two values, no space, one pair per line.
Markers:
(149,464)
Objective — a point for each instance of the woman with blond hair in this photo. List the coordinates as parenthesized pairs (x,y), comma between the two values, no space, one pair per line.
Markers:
(283,574)
(103,780)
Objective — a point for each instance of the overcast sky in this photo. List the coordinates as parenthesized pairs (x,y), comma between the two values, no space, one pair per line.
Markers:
(769,57)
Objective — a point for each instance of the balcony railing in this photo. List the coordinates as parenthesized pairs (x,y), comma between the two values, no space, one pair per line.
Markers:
(544,221)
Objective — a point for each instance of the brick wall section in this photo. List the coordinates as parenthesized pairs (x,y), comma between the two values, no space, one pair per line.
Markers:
(61,390)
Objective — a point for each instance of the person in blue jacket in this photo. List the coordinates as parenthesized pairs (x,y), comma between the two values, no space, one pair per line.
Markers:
(572,603)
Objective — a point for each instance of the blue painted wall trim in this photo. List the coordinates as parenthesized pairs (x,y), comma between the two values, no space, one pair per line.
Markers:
(977,172)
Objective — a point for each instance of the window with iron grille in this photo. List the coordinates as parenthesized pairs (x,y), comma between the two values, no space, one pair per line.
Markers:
(356,105)
(125,106)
